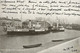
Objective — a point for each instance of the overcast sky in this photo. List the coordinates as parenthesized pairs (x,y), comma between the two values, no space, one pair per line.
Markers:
(66,18)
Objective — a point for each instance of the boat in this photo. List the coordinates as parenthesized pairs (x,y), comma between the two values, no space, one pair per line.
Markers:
(32,46)
(33,29)
(57,27)
(39,29)
(61,28)
(27,32)
(17,32)
(69,27)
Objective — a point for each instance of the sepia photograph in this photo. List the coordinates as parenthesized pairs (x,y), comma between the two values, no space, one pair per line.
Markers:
(39,26)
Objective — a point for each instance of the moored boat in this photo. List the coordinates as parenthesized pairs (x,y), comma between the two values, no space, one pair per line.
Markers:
(31,29)
(57,27)
(27,32)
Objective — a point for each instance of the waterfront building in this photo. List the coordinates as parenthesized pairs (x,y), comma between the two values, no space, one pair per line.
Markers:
(5,21)
(17,23)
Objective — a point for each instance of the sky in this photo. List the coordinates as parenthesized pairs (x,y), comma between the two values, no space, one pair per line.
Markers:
(23,17)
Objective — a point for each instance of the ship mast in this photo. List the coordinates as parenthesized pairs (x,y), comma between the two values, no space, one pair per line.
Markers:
(57,23)
(21,17)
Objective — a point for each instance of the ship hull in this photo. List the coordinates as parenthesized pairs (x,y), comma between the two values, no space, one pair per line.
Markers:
(57,30)
(26,32)
(32,46)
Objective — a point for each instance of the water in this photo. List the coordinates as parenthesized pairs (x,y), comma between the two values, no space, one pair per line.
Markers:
(17,41)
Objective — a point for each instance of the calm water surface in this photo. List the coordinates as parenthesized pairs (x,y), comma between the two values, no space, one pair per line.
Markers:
(17,41)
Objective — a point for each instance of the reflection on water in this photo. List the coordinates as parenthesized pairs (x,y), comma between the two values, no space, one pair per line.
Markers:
(17,41)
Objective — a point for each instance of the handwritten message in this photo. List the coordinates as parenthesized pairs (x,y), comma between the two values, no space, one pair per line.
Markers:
(40,7)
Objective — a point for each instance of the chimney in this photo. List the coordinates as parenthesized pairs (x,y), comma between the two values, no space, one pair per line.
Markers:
(7,17)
